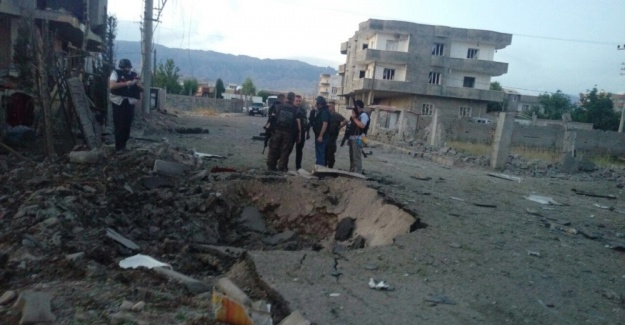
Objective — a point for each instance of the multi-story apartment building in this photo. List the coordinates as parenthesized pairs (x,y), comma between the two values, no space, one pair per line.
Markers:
(516,102)
(330,86)
(423,67)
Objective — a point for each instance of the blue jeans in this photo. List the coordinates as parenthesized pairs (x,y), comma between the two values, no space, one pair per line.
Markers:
(320,151)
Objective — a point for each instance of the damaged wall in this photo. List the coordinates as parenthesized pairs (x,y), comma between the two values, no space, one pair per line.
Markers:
(189,103)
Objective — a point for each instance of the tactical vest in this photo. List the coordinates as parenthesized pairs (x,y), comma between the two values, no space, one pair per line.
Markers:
(131,92)
(355,130)
(317,122)
(285,117)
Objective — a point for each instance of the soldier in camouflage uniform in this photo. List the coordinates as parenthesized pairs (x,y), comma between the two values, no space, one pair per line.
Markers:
(286,122)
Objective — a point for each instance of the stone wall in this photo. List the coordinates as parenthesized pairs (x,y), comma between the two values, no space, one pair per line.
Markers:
(189,103)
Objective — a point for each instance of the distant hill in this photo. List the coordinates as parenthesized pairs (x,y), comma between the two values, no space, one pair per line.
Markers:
(267,74)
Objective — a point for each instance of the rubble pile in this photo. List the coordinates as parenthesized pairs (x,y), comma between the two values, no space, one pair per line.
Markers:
(65,226)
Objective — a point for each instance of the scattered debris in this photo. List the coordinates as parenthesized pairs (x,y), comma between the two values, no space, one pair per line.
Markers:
(605,207)
(439,299)
(533,253)
(334,294)
(322,170)
(121,239)
(605,196)
(232,306)
(344,229)
(218,169)
(169,169)
(140,260)
(36,307)
(379,285)
(457,198)
(296,318)
(207,155)
(421,178)
(506,177)
(484,205)
(543,200)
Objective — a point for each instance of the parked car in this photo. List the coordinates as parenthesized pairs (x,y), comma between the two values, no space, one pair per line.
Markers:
(257,108)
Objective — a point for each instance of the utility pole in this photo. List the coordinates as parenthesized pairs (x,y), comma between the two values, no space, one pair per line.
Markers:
(147,54)
(620,125)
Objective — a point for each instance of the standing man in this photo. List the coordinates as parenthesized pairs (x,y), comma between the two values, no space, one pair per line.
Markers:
(286,122)
(126,91)
(360,125)
(271,112)
(337,121)
(299,145)
(320,126)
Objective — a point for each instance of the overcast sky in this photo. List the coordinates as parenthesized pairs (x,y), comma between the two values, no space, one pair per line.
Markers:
(570,45)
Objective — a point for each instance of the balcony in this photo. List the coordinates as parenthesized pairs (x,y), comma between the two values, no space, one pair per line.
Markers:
(491,68)
(369,55)
(393,86)
(464,93)
(342,69)
(344,48)
(383,85)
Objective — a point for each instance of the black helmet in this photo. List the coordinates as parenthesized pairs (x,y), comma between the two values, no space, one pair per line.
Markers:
(125,63)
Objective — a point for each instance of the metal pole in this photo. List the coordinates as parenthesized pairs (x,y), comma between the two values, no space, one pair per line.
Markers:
(147,54)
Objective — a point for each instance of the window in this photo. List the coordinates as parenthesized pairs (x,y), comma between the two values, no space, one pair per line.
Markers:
(391,45)
(388,74)
(388,119)
(362,74)
(334,90)
(465,111)
(427,109)
(365,46)
(438,49)
(435,78)
(472,53)
(525,107)
(469,82)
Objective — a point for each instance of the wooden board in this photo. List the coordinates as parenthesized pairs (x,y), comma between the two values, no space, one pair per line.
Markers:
(91,130)
(321,170)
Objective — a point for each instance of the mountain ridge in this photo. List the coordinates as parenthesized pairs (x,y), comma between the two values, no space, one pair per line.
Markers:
(267,74)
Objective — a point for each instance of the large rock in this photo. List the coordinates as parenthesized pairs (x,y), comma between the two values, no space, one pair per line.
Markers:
(344,229)
(252,220)
(35,307)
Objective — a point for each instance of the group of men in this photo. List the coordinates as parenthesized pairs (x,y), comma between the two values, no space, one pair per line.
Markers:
(290,126)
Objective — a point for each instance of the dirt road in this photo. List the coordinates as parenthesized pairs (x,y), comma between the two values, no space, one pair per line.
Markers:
(487,254)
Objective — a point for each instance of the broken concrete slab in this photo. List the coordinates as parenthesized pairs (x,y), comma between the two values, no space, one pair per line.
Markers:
(322,170)
(36,307)
(169,169)
(280,238)
(296,318)
(252,219)
(7,297)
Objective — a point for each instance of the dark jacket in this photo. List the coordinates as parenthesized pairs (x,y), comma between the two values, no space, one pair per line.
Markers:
(131,92)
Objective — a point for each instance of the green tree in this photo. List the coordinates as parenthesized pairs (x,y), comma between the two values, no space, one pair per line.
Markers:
(248,88)
(554,105)
(166,76)
(264,94)
(190,87)
(219,88)
(495,106)
(597,108)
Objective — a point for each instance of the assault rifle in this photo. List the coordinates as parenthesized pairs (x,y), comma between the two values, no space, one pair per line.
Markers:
(267,135)
(350,126)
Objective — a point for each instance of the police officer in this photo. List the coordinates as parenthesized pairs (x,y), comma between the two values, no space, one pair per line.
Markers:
(337,121)
(299,145)
(126,91)
(320,126)
(359,125)
(286,122)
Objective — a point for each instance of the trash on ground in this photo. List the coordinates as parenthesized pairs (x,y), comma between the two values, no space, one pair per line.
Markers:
(456,198)
(381,285)
(421,178)
(542,199)
(141,260)
(334,294)
(484,205)
(506,177)
(533,253)
(232,306)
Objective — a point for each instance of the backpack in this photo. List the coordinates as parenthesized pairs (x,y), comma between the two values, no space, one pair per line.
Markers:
(284,117)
